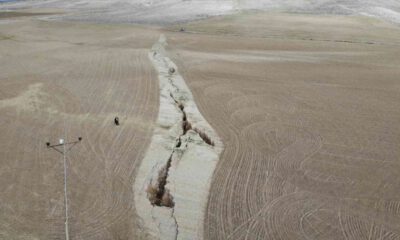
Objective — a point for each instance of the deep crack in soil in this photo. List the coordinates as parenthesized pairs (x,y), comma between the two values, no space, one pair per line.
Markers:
(158,194)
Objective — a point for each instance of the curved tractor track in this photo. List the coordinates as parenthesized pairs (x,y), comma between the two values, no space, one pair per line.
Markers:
(56,75)
(311,129)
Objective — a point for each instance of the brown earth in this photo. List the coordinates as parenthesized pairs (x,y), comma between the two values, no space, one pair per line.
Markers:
(78,77)
(12,14)
(308,110)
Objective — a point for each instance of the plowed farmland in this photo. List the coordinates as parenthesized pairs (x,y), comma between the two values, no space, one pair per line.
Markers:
(66,80)
(306,106)
(308,110)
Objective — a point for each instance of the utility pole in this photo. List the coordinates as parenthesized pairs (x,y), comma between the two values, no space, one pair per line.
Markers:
(64,152)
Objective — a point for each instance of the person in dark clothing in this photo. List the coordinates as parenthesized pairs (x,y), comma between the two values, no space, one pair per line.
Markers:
(116,121)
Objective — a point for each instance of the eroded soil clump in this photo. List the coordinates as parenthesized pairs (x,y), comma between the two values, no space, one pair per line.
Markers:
(158,194)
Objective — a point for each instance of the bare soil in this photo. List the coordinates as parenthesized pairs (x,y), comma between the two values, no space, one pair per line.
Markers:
(11,14)
(308,110)
(70,80)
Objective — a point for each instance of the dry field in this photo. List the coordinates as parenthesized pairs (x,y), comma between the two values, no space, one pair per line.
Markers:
(308,110)
(78,77)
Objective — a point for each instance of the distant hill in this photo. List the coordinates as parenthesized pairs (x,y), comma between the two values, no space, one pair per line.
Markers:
(168,11)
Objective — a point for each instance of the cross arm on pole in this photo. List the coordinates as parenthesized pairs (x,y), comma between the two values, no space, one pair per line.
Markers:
(72,144)
(55,148)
